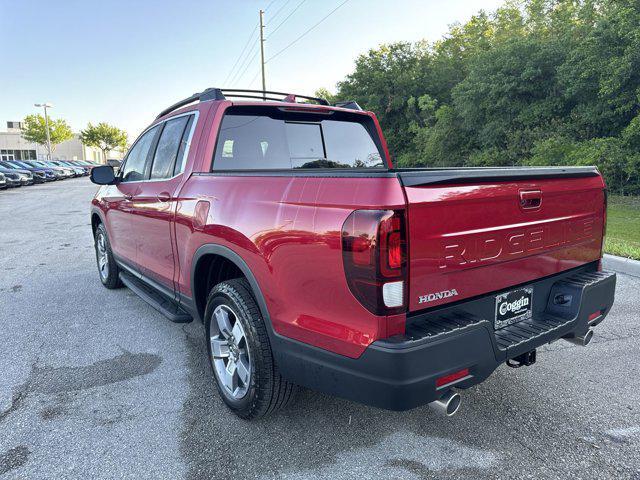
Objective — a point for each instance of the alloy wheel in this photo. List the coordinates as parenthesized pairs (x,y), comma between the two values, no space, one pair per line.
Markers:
(103,257)
(230,352)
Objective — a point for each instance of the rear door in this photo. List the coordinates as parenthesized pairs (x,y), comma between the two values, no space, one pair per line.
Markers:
(155,202)
(472,237)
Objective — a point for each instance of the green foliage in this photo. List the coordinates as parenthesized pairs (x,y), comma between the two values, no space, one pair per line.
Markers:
(623,227)
(538,82)
(326,94)
(34,130)
(104,136)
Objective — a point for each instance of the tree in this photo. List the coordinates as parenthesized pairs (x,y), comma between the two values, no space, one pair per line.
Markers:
(326,94)
(104,136)
(34,130)
(537,82)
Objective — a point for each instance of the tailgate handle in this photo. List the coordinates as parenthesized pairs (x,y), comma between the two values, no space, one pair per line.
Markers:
(530,199)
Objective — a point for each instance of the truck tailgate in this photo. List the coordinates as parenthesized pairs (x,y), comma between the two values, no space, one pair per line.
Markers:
(471,234)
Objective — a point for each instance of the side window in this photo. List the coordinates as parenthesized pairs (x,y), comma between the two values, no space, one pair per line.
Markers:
(167,149)
(181,159)
(135,165)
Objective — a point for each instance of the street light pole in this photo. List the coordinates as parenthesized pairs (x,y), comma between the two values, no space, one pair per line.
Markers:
(46,125)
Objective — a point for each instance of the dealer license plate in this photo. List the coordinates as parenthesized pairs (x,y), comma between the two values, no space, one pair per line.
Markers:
(514,306)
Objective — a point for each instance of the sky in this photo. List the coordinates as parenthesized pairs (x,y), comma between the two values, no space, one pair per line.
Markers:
(122,62)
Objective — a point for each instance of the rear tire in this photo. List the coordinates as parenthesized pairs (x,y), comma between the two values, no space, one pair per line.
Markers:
(107,267)
(238,344)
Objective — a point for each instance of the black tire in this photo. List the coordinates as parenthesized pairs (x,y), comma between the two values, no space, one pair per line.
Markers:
(266,392)
(110,274)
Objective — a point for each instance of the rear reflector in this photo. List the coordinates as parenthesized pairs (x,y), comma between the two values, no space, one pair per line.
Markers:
(452,377)
(594,315)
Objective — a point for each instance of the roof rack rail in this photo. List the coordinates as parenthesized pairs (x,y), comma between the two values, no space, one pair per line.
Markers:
(208,94)
(351,104)
(222,94)
(267,94)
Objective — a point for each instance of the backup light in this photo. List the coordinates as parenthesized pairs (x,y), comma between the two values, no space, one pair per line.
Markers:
(393,294)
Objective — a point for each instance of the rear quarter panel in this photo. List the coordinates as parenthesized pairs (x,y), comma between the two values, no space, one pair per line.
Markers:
(288,231)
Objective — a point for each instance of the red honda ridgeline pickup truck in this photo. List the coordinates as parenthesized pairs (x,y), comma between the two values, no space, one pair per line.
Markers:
(284,227)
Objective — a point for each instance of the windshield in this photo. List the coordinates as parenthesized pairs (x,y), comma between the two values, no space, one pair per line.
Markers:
(20,164)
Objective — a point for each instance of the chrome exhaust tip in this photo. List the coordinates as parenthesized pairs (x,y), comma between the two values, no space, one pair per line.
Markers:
(448,404)
(582,340)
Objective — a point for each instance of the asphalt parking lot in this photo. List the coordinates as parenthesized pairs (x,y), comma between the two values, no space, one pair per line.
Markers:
(96,384)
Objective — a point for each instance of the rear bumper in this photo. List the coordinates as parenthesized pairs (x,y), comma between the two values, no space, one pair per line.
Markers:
(400,373)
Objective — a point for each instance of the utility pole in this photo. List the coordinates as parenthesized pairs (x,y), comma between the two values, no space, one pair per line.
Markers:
(46,125)
(264,85)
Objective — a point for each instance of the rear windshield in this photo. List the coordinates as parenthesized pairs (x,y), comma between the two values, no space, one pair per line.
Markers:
(268,138)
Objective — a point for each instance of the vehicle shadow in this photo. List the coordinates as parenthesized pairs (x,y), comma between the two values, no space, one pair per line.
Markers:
(320,436)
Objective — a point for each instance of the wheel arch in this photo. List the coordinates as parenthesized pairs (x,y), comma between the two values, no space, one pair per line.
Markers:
(96,219)
(202,256)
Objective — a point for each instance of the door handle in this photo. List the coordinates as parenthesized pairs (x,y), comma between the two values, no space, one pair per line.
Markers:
(128,196)
(164,196)
(530,199)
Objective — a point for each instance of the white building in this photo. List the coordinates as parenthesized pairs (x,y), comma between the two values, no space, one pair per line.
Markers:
(14,147)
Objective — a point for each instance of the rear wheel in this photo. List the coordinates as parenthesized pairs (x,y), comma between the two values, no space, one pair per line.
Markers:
(240,353)
(107,267)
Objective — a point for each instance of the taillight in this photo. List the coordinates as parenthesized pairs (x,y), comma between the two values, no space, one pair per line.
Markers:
(374,252)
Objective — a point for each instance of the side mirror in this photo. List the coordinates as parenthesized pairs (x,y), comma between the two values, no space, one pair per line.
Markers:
(103,175)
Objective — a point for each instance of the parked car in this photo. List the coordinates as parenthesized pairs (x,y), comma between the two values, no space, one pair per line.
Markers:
(60,172)
(3,181)
(77,170)
(13,179)
(49,174)
(35,177)
(114,163)
(85,165)
(312,260)
(26,178)
(68,171)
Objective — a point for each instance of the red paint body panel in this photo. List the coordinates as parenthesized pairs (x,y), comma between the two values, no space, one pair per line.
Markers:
(288,232)
(475,238)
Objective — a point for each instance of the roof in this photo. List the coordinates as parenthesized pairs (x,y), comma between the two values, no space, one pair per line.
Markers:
(264,96)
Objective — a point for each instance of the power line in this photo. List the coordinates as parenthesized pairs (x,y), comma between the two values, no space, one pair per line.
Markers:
(254,78)
(237,78)
(275,15)
(306,32)
(270,3)
(241,54)
(287,18)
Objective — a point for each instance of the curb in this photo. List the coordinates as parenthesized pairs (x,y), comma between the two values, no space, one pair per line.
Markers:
(621,265)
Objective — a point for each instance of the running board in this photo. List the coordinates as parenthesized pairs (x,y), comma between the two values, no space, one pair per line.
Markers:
(157,300)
